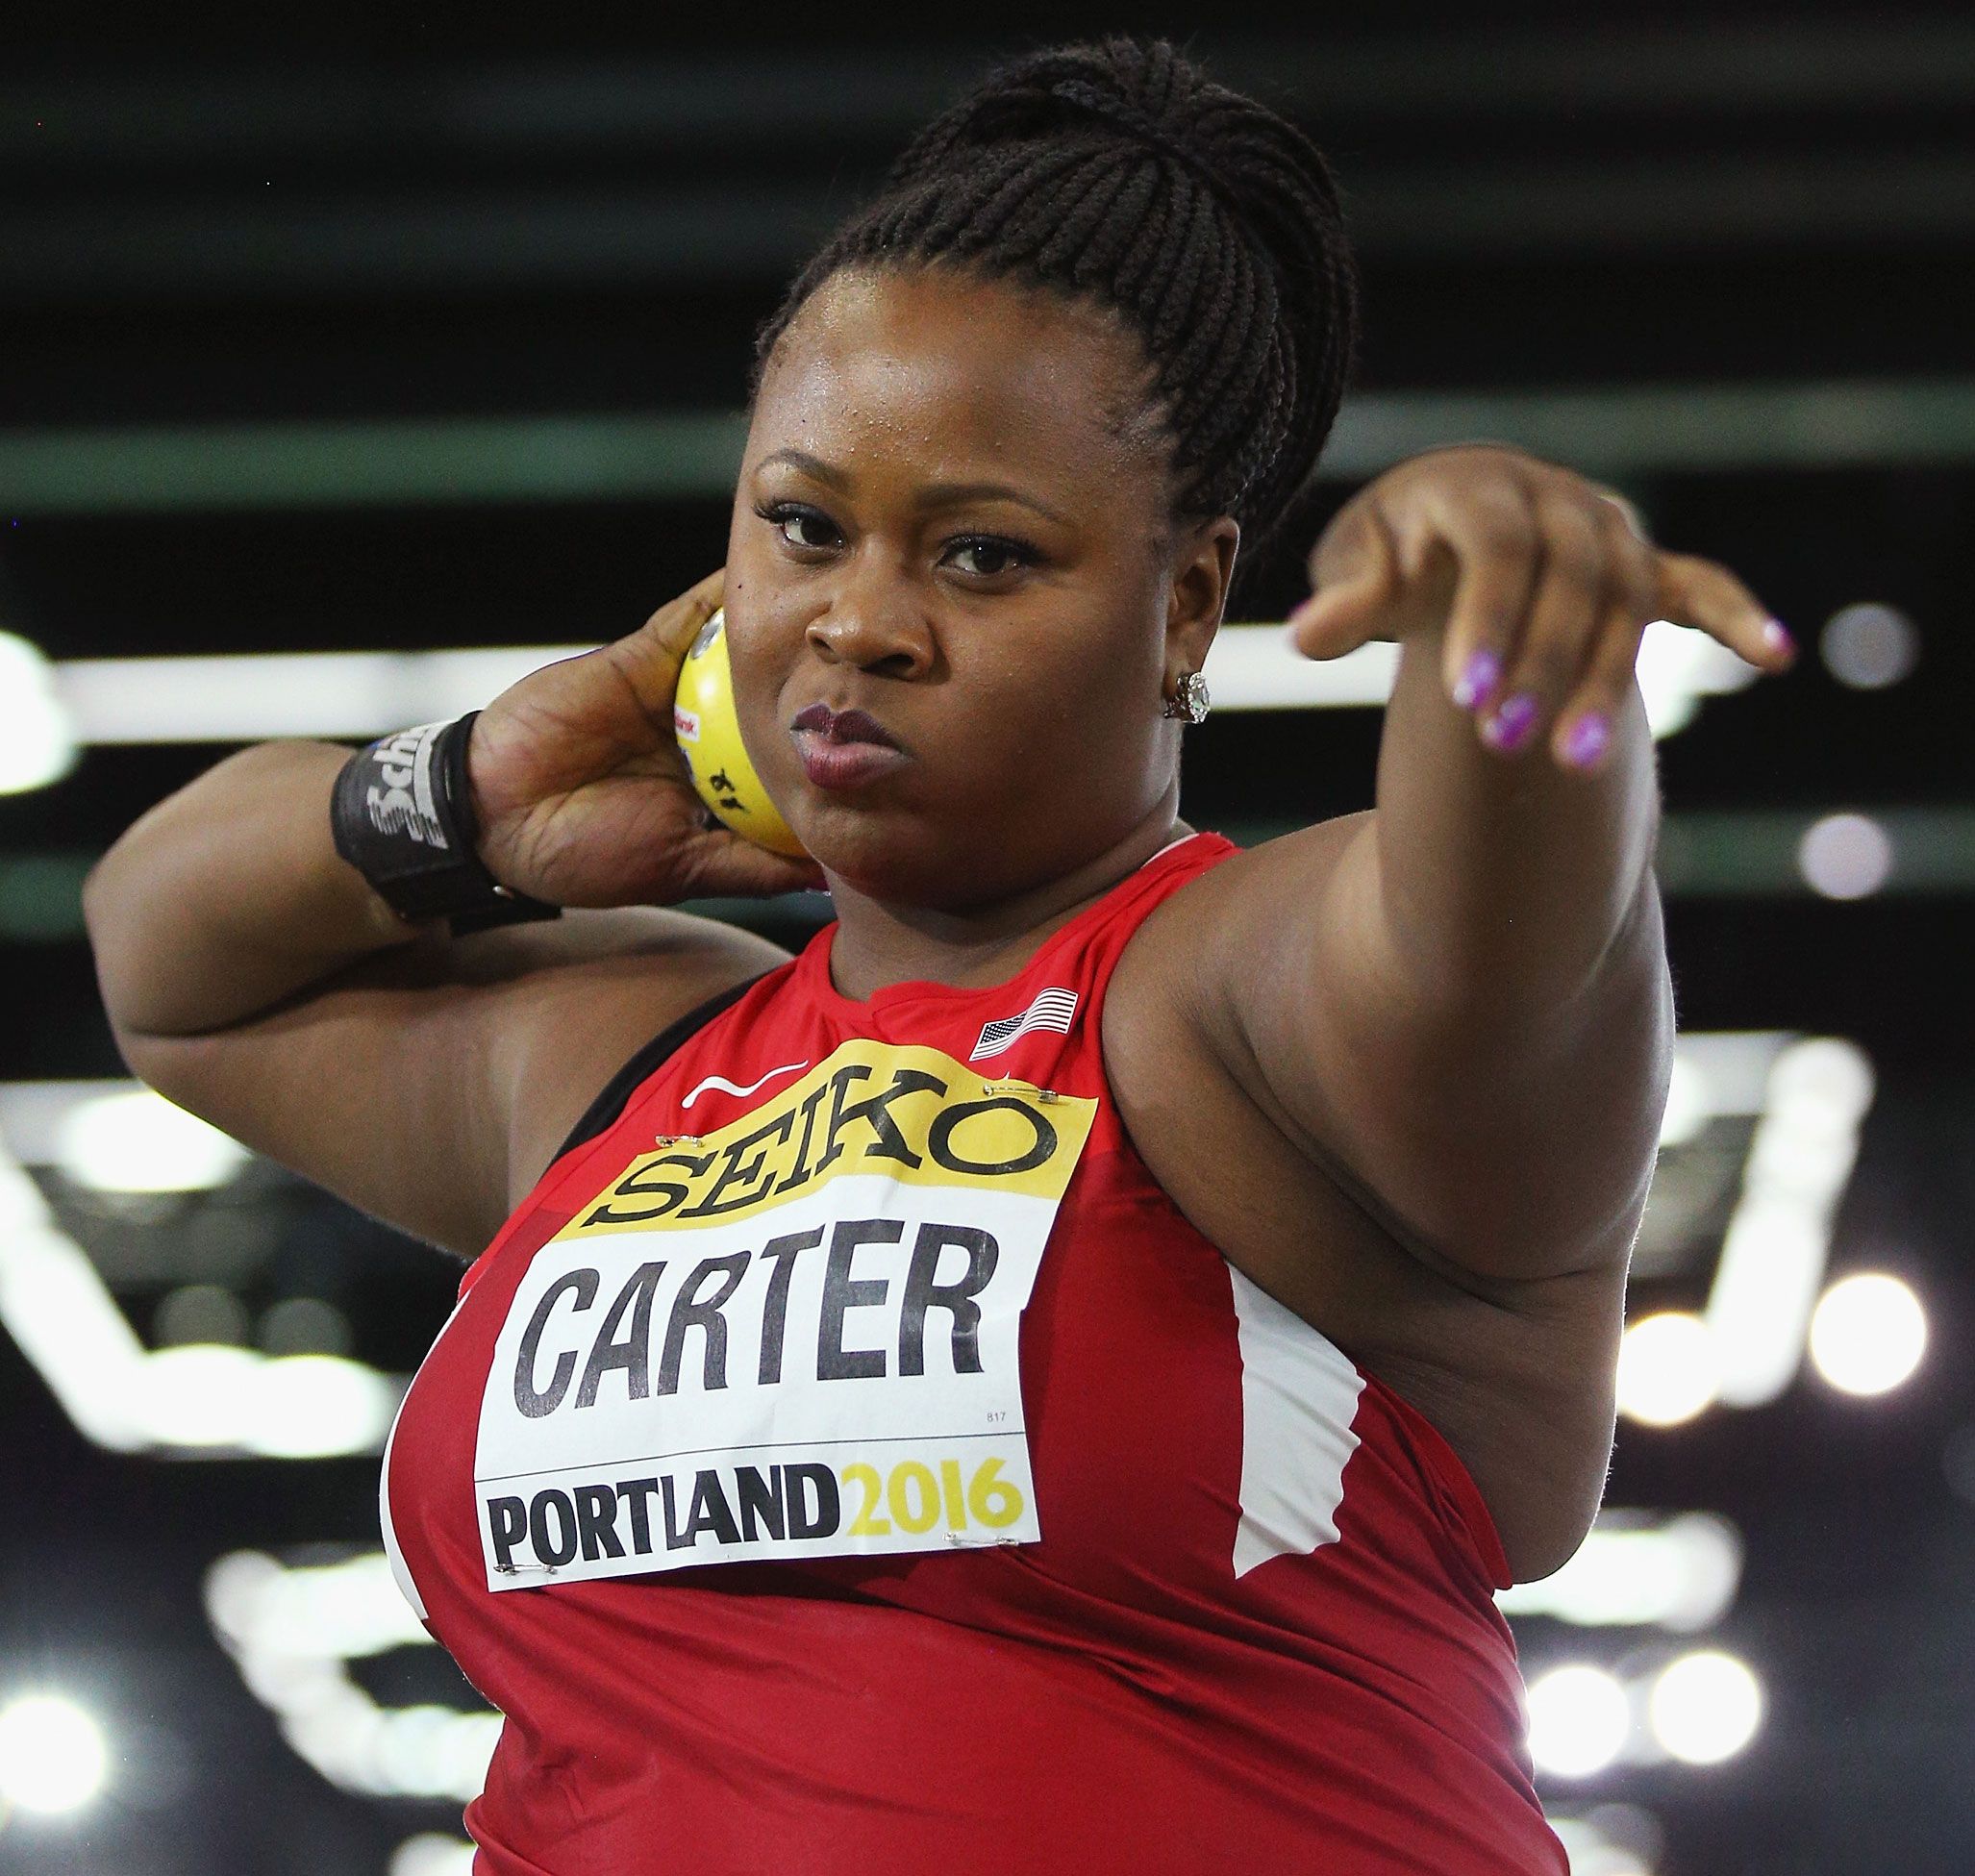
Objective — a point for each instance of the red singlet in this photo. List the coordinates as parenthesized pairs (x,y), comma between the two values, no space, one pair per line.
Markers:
(804,1518)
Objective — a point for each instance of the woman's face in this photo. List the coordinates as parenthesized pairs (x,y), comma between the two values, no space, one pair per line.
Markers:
(953,516)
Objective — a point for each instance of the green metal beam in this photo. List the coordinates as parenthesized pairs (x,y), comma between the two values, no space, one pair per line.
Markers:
(296,465)
(1713,855)
(660,456)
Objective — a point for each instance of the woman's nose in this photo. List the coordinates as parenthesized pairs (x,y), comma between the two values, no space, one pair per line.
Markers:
(877,626)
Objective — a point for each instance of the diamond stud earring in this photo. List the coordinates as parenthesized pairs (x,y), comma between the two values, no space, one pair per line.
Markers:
(1189,702)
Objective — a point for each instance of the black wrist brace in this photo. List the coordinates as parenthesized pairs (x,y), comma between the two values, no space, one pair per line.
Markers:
(402,815)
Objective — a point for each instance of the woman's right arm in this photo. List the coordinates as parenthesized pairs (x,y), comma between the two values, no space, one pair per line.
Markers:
(230,895)
(255,978)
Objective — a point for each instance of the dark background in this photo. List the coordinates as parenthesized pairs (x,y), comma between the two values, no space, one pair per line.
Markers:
(328,222)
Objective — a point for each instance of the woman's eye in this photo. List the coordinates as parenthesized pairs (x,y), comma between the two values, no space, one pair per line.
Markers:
(806,530)
(986,559)
(801,527)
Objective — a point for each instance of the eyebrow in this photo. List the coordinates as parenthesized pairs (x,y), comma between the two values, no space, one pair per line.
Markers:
(934,495)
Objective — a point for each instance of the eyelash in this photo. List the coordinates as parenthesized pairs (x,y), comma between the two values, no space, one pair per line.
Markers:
(1020,552)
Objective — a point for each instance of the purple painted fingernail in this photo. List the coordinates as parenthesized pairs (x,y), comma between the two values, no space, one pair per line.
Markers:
(1776,637)
(1478,679)
(1591,736)
(1509,726)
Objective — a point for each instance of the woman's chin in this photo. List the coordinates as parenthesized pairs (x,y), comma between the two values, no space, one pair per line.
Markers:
(892,858)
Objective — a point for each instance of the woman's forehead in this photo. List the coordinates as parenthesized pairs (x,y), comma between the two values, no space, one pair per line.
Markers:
(933,361)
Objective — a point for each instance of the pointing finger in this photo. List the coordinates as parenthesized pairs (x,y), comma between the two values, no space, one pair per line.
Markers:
(1353,568)
(1705,594)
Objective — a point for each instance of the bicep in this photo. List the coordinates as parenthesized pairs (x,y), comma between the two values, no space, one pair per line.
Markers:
(429,1087)
(1505,1143)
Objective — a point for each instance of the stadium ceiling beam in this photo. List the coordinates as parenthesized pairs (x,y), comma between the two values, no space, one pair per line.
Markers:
(239,244)
(1729,68)
(1617,432)
(1712,854)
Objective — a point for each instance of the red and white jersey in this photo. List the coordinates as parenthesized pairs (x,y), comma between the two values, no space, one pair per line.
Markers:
(848,1462)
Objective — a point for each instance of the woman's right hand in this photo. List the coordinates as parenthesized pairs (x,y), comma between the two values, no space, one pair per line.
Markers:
(582,795)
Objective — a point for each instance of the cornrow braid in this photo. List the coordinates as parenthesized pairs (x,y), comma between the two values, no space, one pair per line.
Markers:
(1119,173)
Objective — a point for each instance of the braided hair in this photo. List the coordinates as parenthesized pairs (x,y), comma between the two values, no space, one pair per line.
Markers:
(1118,174)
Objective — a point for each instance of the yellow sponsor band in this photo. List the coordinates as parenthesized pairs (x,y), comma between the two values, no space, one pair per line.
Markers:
(908,1114)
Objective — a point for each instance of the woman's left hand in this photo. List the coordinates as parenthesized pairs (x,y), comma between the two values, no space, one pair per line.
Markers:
(1540,582)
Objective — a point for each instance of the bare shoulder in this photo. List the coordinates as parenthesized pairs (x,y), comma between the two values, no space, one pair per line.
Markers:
(581,1001)
(1517,1377)
(431,1086)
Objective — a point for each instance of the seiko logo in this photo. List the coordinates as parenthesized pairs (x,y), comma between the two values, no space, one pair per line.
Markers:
(898,1125)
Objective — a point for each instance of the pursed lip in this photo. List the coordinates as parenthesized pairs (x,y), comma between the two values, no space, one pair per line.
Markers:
(843,749)
(844,726)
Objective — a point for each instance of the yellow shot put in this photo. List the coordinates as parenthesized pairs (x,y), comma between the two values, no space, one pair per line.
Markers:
(709,733)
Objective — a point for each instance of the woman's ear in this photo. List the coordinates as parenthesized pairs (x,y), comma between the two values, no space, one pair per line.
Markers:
(1203,565)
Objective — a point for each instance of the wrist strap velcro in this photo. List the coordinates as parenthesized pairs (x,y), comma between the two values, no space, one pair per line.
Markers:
(402,815)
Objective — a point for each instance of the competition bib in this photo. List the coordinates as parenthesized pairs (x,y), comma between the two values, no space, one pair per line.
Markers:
(797,1337)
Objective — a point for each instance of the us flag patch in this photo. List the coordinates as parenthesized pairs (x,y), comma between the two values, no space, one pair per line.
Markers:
(1052,1009)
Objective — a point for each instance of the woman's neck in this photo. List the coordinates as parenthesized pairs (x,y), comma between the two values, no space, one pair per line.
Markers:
(879,943)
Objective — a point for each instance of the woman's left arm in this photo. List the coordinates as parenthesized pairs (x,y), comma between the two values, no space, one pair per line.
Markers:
(1459,1001)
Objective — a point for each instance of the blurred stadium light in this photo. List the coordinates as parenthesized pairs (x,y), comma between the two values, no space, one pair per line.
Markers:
(38,742)
(202,1400)
(293,1630)
(251,696)
(1772,1261)
(1704,1707)
(53,1759)
(1640,1570)
(429,1854)
(1699,1709)
(1868,1333)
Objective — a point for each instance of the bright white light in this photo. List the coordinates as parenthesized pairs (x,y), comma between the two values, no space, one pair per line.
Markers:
(201,1398)
(138,1141)
(1705,1708)
(1667,1369)
(52,1755)
(200,1393)
(292,1630)
(1765,1286)
(1773,1255)
(258,696)
(253,697)
(38,742)
(1682,1575)
(1253,668)
(1578,1721)
(1690,1102)
(1869,646)
(433,1855)
(66,1323)
(1822,1082)
(330,1611)
(282,1407)
(1677,666)
(1869,1334)
(1593,1853)
(314,1406)
(1845,856)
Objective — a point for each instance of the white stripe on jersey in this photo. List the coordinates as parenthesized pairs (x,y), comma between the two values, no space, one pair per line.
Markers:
(1299,1396)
